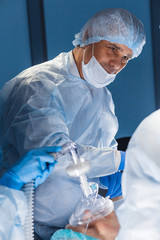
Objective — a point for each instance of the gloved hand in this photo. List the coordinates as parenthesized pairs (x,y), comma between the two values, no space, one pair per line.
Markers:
(36,164)
(122,163)
(113,182)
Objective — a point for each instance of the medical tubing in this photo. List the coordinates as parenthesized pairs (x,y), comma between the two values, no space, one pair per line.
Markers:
(89,219)
(85,186)
(78,169)
(66,148)
(28,190)
(74,156)
(83,180)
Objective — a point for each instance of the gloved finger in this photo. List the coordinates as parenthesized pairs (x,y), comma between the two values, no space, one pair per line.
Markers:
(46,158)
(43,150)
(112,191)
(118,180)
(41,178)
(52,149)
(115,185)
(112,181)
(43,162)
(50,167)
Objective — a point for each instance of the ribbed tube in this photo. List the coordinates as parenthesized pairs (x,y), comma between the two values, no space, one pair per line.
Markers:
(28,190)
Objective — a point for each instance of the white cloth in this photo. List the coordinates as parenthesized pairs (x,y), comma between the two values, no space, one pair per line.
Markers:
(47,105)
(12,214)
(139,215)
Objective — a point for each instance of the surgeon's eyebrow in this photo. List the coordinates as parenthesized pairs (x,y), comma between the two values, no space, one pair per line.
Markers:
(118,48)
(114,45)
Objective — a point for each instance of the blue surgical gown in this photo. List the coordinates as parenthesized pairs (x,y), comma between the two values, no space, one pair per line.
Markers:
(47,105)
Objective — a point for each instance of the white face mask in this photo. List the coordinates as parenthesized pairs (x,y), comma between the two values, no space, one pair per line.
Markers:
(95,74)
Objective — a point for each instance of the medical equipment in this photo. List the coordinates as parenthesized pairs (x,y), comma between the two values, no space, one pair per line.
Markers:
(78,168)
(92,206)
(28,190)
(36,164)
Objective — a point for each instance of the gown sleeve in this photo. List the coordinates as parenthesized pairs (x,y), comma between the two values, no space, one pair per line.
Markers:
(34,116)
(13,210)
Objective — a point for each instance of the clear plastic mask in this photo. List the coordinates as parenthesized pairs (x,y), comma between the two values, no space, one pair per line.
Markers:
(90,209)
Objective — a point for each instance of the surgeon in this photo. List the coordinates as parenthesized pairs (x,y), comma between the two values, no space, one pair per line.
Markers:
(67,99)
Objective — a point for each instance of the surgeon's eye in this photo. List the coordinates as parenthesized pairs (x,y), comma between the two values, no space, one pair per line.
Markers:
(125,58)
(114,49)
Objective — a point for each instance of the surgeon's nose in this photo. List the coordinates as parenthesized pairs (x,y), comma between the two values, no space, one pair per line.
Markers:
(115,63)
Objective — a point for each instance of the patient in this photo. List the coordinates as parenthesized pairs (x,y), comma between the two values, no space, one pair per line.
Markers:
(104,228)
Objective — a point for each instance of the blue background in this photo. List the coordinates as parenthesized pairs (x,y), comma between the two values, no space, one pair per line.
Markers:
(133,89)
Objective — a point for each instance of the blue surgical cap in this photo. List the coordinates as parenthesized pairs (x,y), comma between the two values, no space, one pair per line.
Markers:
(67,234)
(115,25)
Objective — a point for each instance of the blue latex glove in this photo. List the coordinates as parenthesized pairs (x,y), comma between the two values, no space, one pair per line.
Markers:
(122,163)
(113,182)
(36,164)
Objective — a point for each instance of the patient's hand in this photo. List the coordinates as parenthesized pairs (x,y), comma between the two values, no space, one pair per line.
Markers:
(104,228)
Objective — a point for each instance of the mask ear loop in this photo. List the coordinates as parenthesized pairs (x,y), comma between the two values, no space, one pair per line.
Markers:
(83,54)
(92,49)
(92,52)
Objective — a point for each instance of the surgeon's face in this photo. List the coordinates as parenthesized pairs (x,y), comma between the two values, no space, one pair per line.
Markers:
(113,57)
(104,228)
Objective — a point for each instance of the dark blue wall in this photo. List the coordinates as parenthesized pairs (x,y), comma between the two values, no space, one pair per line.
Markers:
(14,39)
(133,89)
